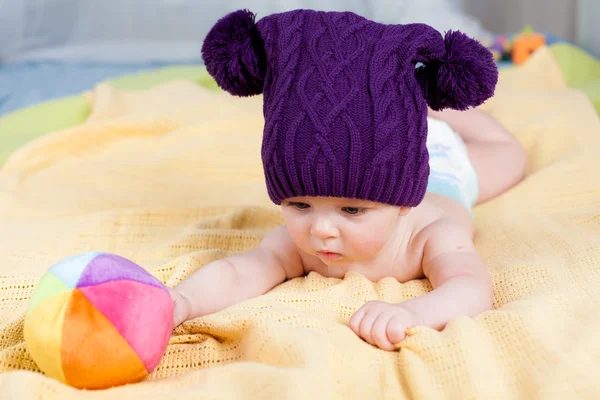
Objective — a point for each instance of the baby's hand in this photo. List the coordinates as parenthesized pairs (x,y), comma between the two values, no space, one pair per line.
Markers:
(181,307)
(382,324)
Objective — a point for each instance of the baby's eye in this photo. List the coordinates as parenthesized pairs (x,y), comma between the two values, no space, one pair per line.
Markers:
(300,206)
(352,210)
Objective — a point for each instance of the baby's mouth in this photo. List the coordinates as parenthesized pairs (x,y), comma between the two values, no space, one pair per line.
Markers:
(328,255)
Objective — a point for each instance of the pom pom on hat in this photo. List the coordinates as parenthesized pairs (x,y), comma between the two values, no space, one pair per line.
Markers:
(464,76)
(233,52)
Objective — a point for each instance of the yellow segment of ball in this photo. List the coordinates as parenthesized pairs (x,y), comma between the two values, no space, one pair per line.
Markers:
(44,336)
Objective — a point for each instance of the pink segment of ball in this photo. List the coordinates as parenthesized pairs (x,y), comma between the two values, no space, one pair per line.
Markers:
(142,314)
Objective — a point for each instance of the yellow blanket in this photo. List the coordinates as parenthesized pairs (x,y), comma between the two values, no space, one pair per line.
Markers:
(171,178)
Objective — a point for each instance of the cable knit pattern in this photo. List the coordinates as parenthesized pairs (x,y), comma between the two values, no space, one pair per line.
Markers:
(345,110)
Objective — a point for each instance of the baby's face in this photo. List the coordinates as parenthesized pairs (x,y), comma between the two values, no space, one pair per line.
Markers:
(340,231)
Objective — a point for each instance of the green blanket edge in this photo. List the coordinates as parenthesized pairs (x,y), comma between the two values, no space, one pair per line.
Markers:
(26,124)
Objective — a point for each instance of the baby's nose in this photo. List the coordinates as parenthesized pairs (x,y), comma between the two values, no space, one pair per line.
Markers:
(323,228)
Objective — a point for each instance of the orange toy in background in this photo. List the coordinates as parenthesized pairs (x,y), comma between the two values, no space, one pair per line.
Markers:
(524,44)
(517,48)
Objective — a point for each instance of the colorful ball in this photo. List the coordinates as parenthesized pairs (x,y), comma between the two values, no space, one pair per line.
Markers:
(98,320)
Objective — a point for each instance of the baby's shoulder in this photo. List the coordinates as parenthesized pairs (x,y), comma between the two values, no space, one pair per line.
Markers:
(439,217)
(279,244)
(437,209)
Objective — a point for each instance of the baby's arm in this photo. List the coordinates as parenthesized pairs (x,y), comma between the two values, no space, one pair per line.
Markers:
(461,287)
(226,282)
(461,282)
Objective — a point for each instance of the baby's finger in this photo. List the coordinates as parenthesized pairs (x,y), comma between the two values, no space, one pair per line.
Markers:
(356,319)
(396,330)
(379,334)
(366,325)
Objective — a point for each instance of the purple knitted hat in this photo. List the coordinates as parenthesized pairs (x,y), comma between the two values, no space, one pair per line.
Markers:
(345,98)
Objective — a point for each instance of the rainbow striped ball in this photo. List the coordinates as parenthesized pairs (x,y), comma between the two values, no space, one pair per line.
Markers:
(98,320)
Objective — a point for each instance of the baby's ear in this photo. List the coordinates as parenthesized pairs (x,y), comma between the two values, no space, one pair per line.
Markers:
(403,210)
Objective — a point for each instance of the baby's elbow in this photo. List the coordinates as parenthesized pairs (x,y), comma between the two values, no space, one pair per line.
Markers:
(483,288)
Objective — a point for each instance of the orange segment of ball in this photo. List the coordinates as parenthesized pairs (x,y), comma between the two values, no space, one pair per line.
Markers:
(92,347)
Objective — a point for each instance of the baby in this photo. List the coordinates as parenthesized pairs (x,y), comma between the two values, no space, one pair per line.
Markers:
(369,177)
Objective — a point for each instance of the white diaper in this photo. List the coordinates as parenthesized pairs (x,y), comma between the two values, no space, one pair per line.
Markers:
(451,171)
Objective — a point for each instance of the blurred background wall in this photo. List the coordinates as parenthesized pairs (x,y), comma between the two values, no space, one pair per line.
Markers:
(575,20)
(169,29)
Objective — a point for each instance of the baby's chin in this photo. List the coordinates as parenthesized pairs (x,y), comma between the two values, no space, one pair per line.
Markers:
(342,261)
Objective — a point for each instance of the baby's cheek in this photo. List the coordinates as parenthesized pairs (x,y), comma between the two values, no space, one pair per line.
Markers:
(298,235)
(368,244)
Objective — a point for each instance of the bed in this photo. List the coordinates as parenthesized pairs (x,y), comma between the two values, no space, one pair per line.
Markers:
(155,163)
